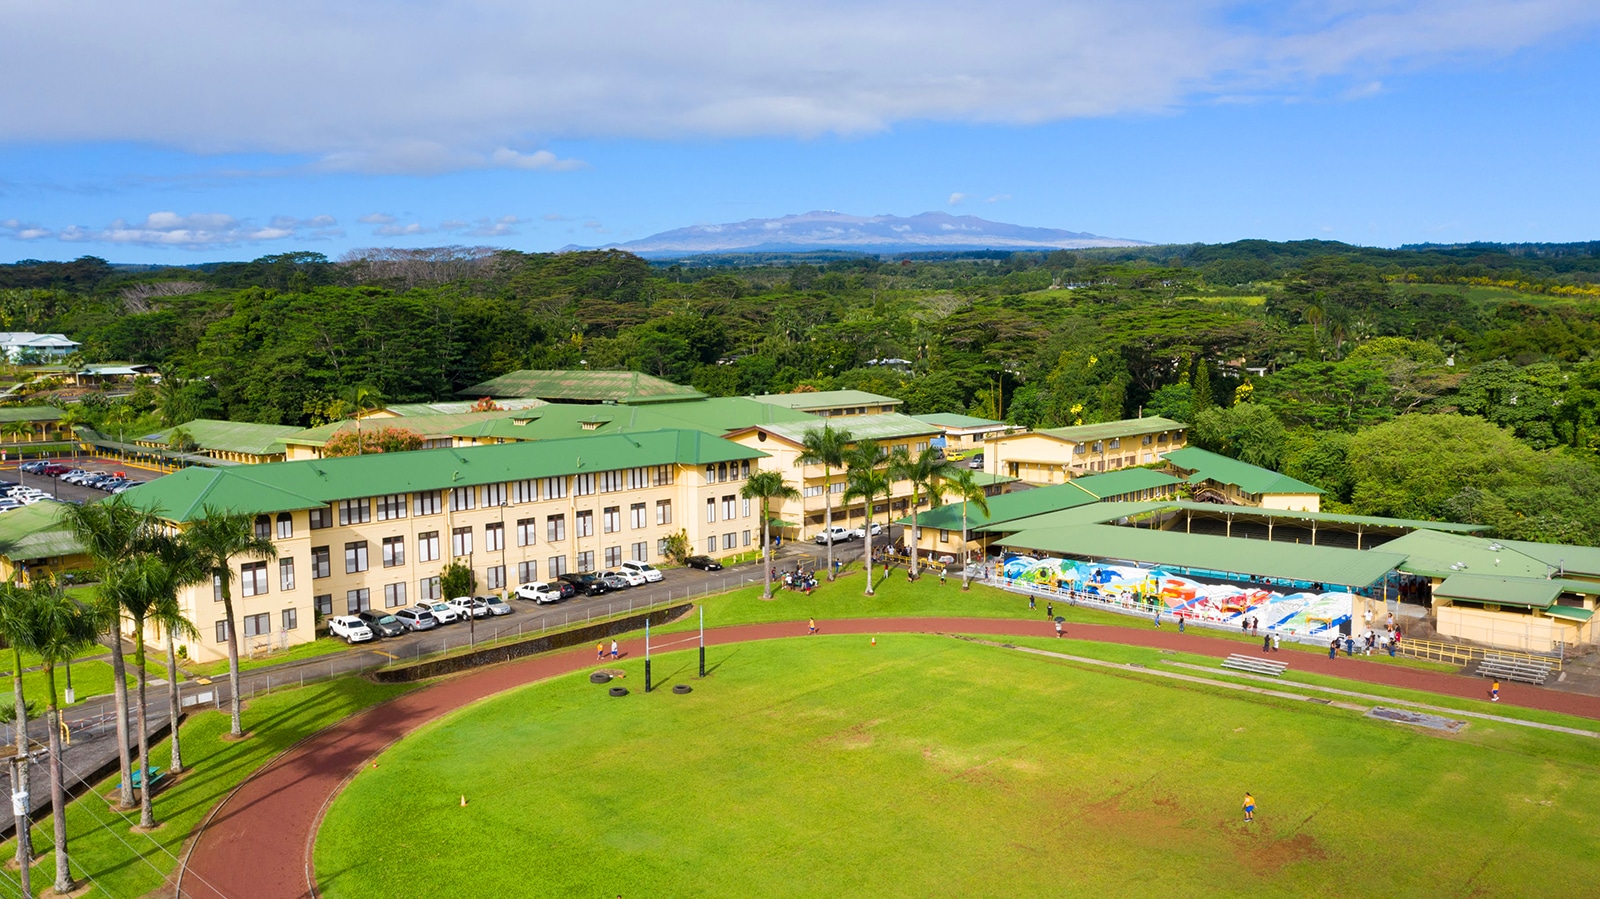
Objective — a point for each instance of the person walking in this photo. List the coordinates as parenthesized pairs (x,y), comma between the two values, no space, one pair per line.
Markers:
(1031,606)
(1049,609)
(1494,692)
(599,651)
(1333,648)
(1180,624)
(941,577)
(1058,629)
(1266,643)
(614,653)
(1244,625)
(1158,617)
(812,624)
(1276,642)
(1249,807)
(1349,647)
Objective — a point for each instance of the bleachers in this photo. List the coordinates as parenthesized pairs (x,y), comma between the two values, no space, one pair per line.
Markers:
(1255,665)
(1525,670)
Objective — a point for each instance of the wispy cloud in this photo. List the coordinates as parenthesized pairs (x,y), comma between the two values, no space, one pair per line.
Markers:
(199,231)
(956,199)
(998,198)
(486,84)
(377,218)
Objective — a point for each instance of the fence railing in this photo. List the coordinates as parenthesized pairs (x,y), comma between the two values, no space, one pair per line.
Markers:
(1462,654)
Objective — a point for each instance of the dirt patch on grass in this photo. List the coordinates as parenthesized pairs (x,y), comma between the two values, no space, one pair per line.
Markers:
(1261,852)
(857,736)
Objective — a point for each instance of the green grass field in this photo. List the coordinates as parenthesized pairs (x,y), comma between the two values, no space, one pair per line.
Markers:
(927,766)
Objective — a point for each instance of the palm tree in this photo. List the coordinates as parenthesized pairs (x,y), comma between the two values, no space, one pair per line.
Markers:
(362,400)
(865,479)
(110,532)
(17,431)
(971,495)
(13,604)
(215,539)
(767,486)
(927,472)
(56,628)
(825,446)
(168,615)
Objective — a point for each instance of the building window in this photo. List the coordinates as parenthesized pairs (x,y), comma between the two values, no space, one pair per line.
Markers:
(527,572)
(253,578)
(663,511)
(711,543)
(321,517)
(357,601)
(285,525)
(495,577)
(722,472)
(1116,443)
(583,484)
(258,625)
(355,511)
(746,506)
(744,469)
(463,498)
(586,560)
(664,476)
(323,603)
(527,531)
(553,488)
(394,552)
(613,556)
(557,566)
(394,595)
(640,552)
(461,542)
(583,524)
(222,631)
(711,474)
(711,510)
(944,536)
(263,527)
(321,562)
(291,619)
(428,546)
(429,503)
(613,519)
(661,546)
(355,556)
(494,495)
(1145,440)
(555,528)
(286,574)
(391,506)
(428,588)
(730,540)
(610,481)
(637,518)
(638,478)
(730,507)
(494,537)
(524,491)
(746,538)
(813,491)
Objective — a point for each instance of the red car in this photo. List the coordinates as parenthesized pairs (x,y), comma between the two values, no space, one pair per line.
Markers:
(54,470)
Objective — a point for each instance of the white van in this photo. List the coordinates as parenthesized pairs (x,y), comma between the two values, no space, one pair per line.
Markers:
(643,569)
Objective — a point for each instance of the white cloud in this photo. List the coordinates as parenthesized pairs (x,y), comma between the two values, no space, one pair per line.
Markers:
(998,198)
(377,218)
(199,231)
(502,226)
(398,230)
(432,86)
(957,198)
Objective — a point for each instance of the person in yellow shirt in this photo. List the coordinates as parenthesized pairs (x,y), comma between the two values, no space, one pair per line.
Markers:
(813,624)
(599,651)
(1249,807)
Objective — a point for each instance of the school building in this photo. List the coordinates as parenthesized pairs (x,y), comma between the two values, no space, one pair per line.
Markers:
(1056,455)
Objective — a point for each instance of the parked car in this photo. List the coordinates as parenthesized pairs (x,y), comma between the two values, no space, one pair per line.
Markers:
(416,619)
(74,476)
(32,467)
(704,563)
(350,627)
(467,605)
(976,463)
(54,470)
(861,533)
(835,534)
(650,572)
(612,582)
(381,623)
(628,577)
(587,584)
(539,592)
(495,605)
(567,590)
(445,612)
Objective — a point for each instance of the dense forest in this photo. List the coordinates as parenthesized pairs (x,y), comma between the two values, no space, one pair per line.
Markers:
(1445,382)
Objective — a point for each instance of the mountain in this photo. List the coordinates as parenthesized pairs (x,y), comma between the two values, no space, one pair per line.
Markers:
(930,231)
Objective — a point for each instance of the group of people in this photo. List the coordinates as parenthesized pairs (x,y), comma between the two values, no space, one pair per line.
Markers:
(798,579)
(1368,642)
(600,651)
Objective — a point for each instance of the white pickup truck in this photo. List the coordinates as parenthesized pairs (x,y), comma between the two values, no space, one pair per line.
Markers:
(835,534)
(861,533)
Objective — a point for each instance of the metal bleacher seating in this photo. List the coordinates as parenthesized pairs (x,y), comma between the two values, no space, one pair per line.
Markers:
(1255,665)
(1527,671)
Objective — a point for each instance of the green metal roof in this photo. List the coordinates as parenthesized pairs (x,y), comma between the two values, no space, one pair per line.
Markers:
(1582,588)
(1005,507)
(1089,513)
(985,479)
(429,426)
(404,410)
(1331,517)
(1571,613)
(881,427)
(36,532)
(1441,555)
(1503,591)
(230,436)
(1107,430)
(287,486)
(29,413)
(717,415)
(1127,480)
(1209,466)
(1584,560)
(581,386)
(1327,565)
(826,399)
(952,420)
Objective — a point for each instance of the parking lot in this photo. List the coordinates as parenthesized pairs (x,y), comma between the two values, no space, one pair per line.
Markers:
(73,493)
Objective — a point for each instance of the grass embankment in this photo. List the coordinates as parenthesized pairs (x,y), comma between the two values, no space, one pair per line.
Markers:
(321,646)
(117,863)
(928,766)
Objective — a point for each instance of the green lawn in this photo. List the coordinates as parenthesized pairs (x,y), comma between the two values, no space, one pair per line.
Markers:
(319,647)
(124,864)
(88,679)
(926,766)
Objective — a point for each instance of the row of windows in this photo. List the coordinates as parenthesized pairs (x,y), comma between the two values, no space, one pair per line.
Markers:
(261,625)
(357,512)
(730,508)
(730,540)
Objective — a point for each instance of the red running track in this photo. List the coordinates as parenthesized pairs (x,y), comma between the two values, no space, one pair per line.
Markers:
(257,843)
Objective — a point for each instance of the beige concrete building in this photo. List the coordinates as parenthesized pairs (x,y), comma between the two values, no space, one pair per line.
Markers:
(1056,455)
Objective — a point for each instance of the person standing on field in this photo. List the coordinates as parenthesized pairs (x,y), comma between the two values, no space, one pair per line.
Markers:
(1058,630)
(1249,807)
(614,653)
(1494,692)
(599,652)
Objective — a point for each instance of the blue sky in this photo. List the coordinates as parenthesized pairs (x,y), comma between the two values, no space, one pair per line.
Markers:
(185,132)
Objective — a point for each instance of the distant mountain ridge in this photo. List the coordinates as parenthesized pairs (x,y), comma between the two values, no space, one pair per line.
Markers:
(822,230)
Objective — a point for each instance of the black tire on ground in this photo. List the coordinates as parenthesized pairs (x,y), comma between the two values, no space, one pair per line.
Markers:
(599,677)
(682,688)
(619,691)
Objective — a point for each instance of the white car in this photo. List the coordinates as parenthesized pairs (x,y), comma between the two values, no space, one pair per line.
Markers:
(835,534)
(650,572)
(351,628)
(494,604)
(860,533)
(443,612)
(628,576)
(539,592)
(466,605)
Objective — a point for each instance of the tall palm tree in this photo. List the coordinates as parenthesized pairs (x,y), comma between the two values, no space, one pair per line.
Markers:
(927,472)
(865,479)
(362,400)
(971,495)
(216,538)
(13,606)
(168,615)
(111,532)
(767,486)
(56,628)
(18,431)
(825,446)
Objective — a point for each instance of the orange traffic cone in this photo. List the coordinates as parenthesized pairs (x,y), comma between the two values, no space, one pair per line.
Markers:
(874,641)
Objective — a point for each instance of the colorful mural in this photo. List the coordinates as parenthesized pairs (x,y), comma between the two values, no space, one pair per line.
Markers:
(1300,612)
